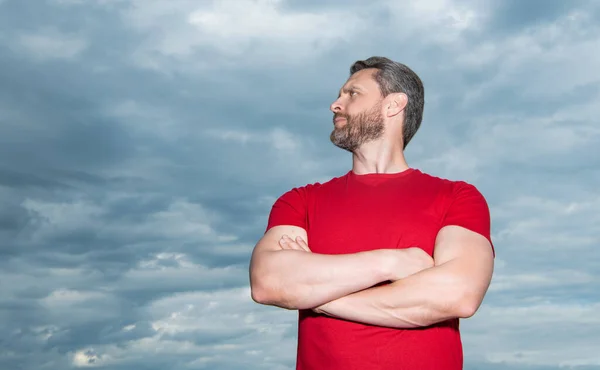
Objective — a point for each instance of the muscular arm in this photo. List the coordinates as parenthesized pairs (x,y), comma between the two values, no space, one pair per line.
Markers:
(297,279)
(453,288)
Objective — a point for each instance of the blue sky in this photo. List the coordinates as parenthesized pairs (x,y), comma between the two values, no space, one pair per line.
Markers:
(142,144)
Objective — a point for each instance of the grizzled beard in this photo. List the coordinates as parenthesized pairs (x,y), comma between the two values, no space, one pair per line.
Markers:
(359,129)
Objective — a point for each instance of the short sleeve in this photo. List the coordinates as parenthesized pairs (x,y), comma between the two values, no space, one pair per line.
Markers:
(469,209)
(290,209)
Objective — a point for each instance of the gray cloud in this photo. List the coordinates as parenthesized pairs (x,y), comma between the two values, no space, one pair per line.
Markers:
(141,147)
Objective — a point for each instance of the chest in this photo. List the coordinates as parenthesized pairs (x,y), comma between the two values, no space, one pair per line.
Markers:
(373,218)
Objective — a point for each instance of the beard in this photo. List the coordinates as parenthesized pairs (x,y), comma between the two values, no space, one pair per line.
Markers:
(359,129)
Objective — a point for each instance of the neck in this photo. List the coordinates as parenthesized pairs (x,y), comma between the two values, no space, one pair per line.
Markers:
(379,157)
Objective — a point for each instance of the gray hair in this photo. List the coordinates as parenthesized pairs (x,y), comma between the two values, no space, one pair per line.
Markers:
(394,77)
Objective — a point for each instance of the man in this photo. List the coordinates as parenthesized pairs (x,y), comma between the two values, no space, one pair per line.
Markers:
(383,261)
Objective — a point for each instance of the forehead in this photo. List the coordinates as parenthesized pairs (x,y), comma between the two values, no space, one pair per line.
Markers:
(365,78)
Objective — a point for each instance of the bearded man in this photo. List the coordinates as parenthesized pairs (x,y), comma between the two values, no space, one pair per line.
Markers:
(384,261)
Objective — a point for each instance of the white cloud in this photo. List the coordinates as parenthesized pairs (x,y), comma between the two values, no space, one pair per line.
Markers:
(48,44)
(541,59)
(278,138)
(231,23)
(436,21)
(129,327)
(55,283)
(544,65)
(533,138)
(180,220)
(46,332)
(546,243)
(558,278)
(545,139)
(138,350)
(74,307)
(550,224)
(88,358)
(148,120)
(173,271)
(454,161)
(546,334)
(539,311)
(67,2)
(67,297)
(283,149)
(183,323)
(54,218)
(241,31)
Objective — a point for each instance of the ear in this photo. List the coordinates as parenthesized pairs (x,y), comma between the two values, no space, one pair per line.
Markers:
(396,104)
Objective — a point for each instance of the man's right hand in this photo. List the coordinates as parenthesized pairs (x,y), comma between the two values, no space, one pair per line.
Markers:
(307,280)
(403,262)
(407,261)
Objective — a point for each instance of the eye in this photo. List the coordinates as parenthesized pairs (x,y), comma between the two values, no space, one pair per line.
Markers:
(353,93)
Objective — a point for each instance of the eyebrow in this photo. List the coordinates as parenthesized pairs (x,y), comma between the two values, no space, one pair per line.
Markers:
(349,88)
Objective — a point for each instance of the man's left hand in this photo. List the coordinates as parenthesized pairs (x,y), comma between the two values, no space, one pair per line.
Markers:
(287,243)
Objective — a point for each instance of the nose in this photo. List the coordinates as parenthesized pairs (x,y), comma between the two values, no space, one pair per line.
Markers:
(335,107)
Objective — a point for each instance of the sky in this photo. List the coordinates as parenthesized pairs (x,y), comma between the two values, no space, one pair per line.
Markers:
(142,144)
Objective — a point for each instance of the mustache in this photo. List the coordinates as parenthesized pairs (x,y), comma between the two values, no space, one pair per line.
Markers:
(340,115)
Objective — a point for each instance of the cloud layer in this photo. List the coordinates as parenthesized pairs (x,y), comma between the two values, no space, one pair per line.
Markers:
(142,144)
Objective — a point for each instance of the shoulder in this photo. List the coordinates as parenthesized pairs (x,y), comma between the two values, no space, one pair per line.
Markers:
(320,184)
(446,187)
(307,191)
(461,203)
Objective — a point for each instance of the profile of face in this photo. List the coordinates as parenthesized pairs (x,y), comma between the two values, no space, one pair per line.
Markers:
(357,112)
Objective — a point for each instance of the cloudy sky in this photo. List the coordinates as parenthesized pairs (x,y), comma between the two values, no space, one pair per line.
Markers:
(143,142)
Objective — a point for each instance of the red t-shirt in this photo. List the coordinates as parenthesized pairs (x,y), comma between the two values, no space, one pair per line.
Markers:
(354,213)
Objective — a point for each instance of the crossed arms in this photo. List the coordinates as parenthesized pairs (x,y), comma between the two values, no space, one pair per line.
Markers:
(424,291)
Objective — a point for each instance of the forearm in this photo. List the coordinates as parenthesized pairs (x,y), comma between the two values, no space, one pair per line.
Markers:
(428,297)
(299,280)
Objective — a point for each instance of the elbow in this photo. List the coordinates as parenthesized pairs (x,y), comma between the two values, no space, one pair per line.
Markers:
(263,292)
(467,306)
(260,290)
(454,304)
(259,294)
(460,298)
(466,310)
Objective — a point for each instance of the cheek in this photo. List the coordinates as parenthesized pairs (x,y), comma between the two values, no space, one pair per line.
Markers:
(358,106)
(352,110)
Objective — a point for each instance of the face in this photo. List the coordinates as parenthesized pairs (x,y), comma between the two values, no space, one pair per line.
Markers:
(357,113)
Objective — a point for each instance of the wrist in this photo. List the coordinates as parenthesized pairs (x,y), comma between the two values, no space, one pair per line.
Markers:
(420,258)
(386,265)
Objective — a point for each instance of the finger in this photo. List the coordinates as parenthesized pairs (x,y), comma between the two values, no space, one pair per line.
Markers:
(287,243)
(302,243)
(297,245)
(283,243)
